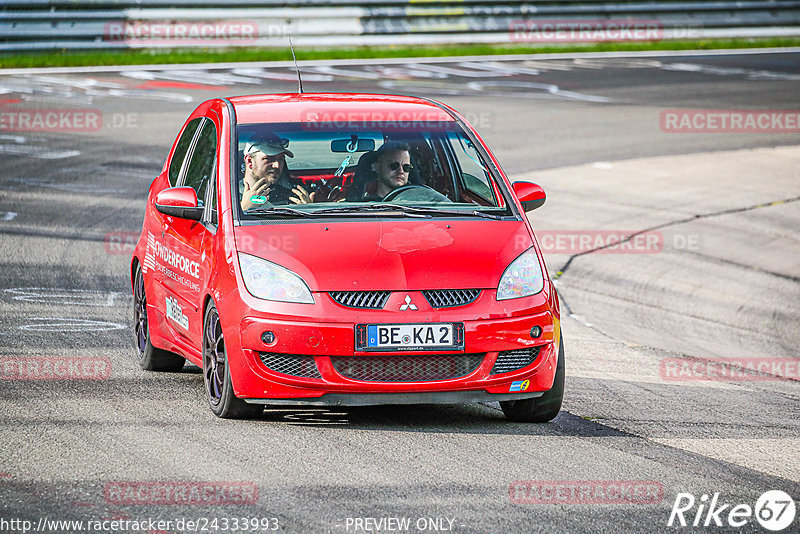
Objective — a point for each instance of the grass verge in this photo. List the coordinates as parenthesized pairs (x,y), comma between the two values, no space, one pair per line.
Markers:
(69,58)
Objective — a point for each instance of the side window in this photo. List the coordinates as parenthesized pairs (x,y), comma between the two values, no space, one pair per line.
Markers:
(180,151)
(201,165)
(474,175)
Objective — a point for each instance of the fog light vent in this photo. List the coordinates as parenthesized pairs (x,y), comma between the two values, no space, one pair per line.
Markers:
(512,360)
(291,364)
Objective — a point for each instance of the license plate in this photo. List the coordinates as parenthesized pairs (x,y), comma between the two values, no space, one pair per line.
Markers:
(396,337)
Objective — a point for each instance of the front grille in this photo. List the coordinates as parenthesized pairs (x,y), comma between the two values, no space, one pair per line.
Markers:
(373,300)
(449,298)
(511,360)
(406,368)
(291,364)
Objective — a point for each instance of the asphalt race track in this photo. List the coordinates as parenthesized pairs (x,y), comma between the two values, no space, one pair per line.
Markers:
(652,407)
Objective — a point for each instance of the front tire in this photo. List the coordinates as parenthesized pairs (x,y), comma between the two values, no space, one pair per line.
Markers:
(150,358)
(541,409)
(217,373)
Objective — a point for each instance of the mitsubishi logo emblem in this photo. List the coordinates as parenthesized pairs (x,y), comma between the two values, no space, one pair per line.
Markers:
(408,305)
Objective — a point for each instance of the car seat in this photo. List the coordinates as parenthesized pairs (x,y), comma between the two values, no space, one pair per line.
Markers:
(364,175)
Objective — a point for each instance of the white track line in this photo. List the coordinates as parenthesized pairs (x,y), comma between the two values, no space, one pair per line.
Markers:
(384,61)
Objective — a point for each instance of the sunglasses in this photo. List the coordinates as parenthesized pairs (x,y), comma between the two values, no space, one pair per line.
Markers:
(394,165)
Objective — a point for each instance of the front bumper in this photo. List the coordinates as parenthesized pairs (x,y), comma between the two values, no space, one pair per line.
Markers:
(489,332)
(375,399)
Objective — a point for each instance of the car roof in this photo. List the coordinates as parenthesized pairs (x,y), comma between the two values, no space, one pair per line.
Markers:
(336,107)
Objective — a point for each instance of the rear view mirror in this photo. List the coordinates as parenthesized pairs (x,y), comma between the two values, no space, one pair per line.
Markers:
(354,144)
(530,195)
(179,202)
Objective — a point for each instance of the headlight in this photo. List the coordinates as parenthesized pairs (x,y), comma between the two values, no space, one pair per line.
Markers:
(266,280)
(522,278)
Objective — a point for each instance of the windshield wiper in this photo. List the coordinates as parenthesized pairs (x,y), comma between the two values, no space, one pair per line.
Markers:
(410,210)
(280,211)
(414,211)
(366,208)
(474,213)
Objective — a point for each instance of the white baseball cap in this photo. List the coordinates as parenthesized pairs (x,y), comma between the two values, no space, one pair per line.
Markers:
(271,145)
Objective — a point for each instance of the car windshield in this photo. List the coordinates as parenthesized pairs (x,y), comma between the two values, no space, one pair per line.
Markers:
(416,169)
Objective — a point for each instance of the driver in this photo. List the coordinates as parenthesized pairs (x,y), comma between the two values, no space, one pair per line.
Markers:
(265,165)
(392,165)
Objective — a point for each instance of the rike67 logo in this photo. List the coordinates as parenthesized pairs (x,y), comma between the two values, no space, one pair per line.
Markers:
(774,510)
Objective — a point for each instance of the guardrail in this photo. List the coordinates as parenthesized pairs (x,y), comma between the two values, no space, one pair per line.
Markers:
(27,25)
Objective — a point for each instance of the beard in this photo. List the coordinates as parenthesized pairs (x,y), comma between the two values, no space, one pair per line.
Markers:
(271,175)
(393,182)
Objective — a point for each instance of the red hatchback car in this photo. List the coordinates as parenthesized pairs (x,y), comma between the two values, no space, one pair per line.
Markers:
(345,249)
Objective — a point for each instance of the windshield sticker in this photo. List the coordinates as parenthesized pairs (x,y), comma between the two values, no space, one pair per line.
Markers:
(175,312)
(258,199)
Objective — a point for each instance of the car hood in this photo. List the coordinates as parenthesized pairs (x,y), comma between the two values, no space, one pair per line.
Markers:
(389,255)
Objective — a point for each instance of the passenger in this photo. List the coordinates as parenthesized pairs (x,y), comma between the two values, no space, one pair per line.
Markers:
(265,169)
(392,165)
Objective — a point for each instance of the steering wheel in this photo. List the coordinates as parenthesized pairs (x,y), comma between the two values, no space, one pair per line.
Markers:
(394,193)
(416,192)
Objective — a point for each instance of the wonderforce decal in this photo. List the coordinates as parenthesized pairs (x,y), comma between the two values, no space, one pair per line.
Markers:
(175,312)
(176,260)
(160,257)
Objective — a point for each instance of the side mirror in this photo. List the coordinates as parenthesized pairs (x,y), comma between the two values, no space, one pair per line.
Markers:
(530,195)
(179,202)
